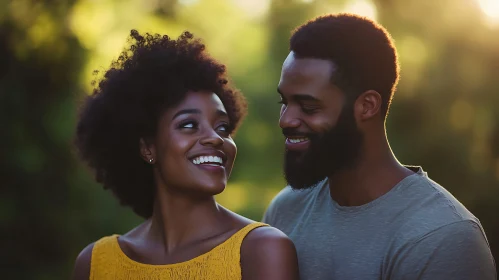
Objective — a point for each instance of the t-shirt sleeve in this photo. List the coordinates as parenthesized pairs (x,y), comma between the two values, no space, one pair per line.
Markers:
(456,251)
(270,213)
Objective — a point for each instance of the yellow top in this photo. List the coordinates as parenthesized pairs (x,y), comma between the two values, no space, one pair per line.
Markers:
(222,262)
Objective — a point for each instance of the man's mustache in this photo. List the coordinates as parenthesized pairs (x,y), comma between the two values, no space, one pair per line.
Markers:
(295,132)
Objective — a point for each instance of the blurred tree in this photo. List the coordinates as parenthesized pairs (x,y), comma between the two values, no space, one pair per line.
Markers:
(444,116)
(40,66)
(445,121)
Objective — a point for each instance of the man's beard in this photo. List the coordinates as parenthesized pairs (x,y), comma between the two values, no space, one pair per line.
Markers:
(336,149)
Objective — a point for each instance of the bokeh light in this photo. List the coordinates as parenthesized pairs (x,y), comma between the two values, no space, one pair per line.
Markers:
(361,7)
(491,9)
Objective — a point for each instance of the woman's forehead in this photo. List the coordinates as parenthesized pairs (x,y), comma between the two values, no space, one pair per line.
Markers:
(202,99)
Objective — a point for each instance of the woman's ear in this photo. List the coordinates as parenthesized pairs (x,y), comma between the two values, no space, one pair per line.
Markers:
(147,151)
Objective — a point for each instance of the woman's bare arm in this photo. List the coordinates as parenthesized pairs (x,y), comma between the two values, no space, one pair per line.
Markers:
(267,253)
(82,265)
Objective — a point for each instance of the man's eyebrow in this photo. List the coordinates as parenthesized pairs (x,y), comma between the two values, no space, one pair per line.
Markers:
(300,96)
(304,97)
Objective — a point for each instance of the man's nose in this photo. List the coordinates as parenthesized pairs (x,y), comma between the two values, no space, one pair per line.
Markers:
(289,118)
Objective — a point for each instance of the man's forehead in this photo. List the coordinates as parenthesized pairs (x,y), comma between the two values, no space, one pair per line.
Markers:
(299,68)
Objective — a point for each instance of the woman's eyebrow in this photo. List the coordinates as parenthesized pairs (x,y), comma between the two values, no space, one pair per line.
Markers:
(186,111)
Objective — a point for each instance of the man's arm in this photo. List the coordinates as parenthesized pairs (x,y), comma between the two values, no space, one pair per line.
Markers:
(455,251)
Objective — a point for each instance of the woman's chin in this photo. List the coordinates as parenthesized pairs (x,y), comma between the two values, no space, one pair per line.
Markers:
(213,188)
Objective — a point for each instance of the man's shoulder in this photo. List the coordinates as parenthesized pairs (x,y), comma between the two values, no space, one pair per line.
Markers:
(290,197)
(431,207)
(431,222)
(452,203)
(292,202)
(286,194)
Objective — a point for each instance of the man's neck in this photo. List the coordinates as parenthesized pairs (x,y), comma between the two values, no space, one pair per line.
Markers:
(375,173)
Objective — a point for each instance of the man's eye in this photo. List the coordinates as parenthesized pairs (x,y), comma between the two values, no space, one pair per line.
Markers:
(307,110)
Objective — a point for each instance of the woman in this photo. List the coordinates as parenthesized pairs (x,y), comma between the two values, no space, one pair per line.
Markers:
(157,132)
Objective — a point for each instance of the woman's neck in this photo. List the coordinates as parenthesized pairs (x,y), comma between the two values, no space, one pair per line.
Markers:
(179,219)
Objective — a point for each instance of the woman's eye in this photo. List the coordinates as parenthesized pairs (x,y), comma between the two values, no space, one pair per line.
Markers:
(224,128)
(189,124)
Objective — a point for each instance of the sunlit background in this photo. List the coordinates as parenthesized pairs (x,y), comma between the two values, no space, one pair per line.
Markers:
(445,114)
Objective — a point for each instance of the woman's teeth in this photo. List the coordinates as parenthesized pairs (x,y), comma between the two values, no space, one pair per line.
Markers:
(208,160)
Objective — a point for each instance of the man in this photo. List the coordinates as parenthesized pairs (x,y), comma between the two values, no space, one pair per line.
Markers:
(352,210)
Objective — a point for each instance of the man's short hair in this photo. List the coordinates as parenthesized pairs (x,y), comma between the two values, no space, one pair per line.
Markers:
(362,50)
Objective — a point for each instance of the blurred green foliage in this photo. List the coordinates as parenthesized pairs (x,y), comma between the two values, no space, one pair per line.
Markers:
(444,116)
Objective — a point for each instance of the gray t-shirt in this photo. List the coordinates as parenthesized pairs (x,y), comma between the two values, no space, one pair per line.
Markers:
(417,230)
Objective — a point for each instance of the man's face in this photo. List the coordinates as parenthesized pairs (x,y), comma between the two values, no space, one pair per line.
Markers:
(318,122)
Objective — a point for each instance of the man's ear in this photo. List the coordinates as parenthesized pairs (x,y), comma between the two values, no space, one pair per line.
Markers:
(368,105)
(147,151)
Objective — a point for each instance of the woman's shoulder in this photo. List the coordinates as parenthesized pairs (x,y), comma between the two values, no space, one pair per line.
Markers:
(83,261)
(82,264)
(267,253)
(256,232)
(265,238)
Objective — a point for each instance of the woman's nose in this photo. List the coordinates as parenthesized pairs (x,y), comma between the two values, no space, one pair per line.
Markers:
(212,138)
